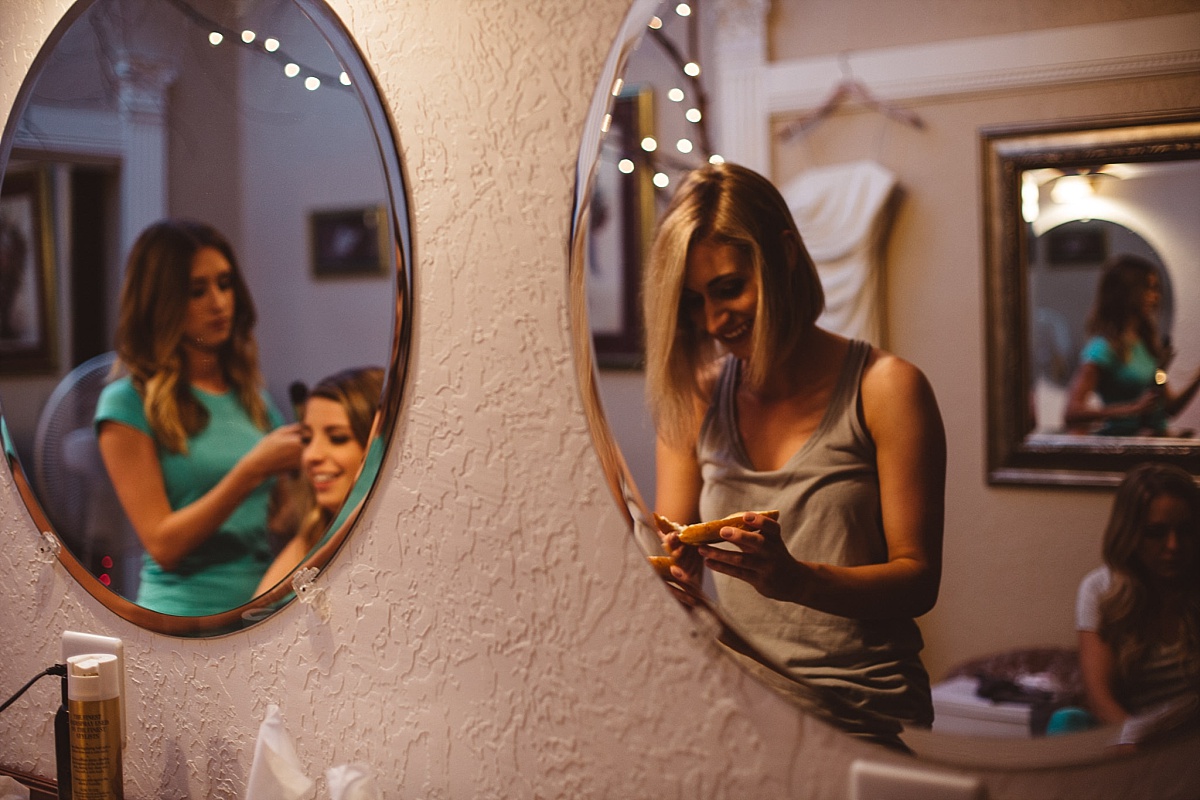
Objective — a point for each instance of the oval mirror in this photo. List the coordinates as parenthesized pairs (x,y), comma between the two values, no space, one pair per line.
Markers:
(648,128)
(644,132)
(261,121)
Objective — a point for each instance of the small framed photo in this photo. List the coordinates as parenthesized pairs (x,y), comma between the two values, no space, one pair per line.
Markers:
(27,321)
(1074,243)
(349,243)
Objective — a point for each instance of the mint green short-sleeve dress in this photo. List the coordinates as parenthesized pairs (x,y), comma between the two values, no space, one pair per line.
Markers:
(223,572)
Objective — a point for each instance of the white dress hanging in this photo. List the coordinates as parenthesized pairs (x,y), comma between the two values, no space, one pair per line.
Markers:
(839,210)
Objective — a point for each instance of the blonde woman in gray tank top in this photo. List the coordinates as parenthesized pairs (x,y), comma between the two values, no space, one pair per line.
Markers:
(756,407)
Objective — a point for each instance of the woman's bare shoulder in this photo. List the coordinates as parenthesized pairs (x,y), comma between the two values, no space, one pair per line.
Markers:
(885,371)
(890,381)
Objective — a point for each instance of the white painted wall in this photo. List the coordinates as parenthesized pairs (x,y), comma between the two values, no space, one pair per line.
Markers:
(491,632)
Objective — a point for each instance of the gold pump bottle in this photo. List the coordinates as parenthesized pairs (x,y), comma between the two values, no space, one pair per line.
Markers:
(94,710)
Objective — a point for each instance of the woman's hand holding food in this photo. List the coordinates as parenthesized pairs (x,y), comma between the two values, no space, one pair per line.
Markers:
(761,560)
(686,563)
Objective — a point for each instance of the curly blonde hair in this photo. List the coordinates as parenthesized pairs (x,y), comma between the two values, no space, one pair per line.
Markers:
(149,338)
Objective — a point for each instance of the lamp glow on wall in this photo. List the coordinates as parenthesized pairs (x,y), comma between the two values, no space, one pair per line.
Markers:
(1075,188)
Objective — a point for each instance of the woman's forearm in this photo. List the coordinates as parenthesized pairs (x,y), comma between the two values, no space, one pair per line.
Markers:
(1096,666)
(181,532)
(903,587)
(168,535)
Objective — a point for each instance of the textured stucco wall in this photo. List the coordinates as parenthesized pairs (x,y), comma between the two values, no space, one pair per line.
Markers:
(491,632)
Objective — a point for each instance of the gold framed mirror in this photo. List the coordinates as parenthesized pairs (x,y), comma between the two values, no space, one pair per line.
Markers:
(1138,177)
(257,119)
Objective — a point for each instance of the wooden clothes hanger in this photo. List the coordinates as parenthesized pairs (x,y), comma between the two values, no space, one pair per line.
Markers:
(849,89)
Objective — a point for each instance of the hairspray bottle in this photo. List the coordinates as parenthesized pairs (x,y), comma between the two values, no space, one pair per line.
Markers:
(94,708)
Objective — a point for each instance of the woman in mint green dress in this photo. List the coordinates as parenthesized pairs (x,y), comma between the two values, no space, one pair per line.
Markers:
(190,440)
(1124,362)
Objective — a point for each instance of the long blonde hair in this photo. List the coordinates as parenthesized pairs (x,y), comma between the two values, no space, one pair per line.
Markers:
(733,205)
(149,339)
(1135,601)
(357,391)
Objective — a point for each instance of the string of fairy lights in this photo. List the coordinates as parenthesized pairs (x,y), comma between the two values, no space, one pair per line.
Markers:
(688,95)
(268,46)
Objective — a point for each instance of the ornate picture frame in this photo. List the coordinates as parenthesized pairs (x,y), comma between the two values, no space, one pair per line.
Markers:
(27,286)
(1017,452)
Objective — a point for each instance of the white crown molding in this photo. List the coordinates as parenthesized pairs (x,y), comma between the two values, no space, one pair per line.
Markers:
(1057,56)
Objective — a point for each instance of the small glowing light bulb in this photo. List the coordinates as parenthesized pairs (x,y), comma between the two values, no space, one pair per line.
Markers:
(215,38)
(692,115)
(649,144)
(655,23)
(625,166)
(344,79)
(691,68)
(606,123)
(661,180)
(312,83)
(617,85)
(716,158)
(675,95)
(684,145)
(247,36)
(291,70)
(270,45)
(683,10)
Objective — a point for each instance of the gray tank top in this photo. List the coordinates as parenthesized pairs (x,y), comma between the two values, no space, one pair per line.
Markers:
(828,498)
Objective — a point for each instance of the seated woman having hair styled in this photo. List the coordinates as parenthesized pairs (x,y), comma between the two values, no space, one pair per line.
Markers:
(338,463)
(189,439)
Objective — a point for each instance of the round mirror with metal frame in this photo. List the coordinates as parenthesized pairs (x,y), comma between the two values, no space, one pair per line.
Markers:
(614,204)
(262,120)
(594,350)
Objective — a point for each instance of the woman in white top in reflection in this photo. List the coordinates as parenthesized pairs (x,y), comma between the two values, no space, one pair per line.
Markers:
(1138,615)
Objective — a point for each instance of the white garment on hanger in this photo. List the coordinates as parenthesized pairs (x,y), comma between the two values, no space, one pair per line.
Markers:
(839,211)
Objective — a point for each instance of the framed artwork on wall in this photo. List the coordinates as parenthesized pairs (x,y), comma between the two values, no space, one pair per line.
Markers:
(26,275)
(622,219)
(347,243)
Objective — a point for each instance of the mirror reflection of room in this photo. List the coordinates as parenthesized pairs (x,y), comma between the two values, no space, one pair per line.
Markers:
(716,299)
(1111,353)
(191,444)
(240,118)
(843,157)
